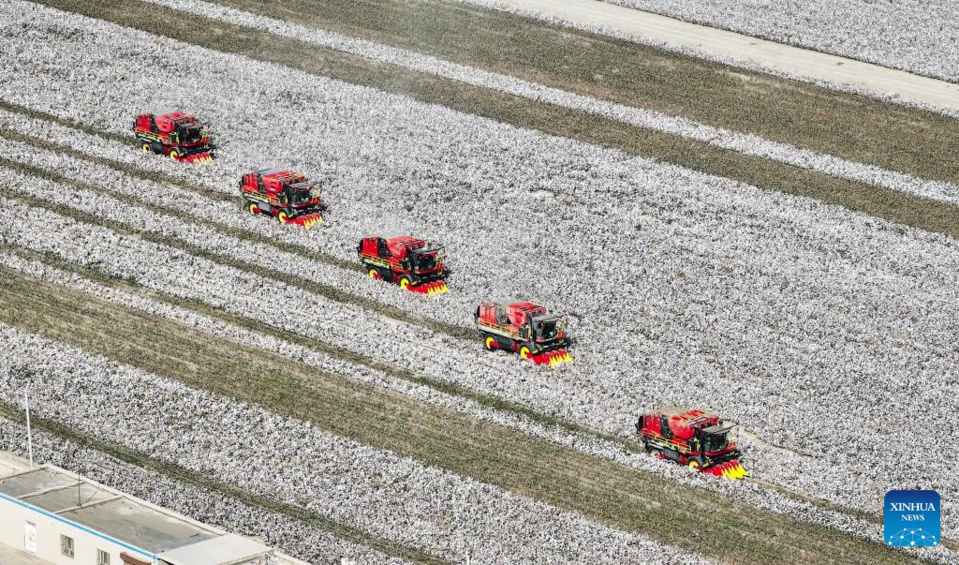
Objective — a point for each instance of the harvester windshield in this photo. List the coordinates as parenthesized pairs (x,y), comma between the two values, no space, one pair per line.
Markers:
(303,192)
(548,327)
(717,438)
(190,133)
(426,258)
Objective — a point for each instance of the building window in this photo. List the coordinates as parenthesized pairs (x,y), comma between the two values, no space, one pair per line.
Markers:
(66,546)
(30,537)
(103,558)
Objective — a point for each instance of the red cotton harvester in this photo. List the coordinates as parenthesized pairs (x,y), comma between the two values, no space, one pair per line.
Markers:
(525,328)
(413,263)
(178,135)
(287,196)
(692,437)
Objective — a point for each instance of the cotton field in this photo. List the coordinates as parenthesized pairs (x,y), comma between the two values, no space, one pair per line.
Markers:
(349,482)
(915,36)
(316,545)
(828,335)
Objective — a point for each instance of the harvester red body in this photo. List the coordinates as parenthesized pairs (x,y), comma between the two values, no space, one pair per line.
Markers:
(692,437)
(177,135)
(415,264)
(525,328)
(287,196)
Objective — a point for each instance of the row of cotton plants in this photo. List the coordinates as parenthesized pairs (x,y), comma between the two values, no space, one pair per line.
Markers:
(442,513)
(210,507)
(767,459)
(173,201)
(194,278)
(781,313)
(675,125)
(919,36)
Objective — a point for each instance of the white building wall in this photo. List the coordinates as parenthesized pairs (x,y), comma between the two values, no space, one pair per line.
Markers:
(14,516)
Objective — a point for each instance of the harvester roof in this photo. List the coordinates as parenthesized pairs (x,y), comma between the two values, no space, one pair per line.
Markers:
(718,428)
(167,122)
(525,306)
(401,239)
(518,311)
(400,245)
(684,422)
(281,175)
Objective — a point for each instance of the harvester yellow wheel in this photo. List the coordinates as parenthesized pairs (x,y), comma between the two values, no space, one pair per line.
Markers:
(693,464)
(490,343)
(405,283)
(374,274)
(174,154)
(282,217)
(253,208)
(524,352)
(146,147)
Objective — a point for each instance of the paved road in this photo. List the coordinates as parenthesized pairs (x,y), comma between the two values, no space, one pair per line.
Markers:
(750,49)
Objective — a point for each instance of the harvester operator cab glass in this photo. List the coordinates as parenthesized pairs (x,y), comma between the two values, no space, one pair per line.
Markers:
(381,248)
(424,261)
(716,438)
(545,328)
(190,133)
(426,257)
(298,193)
